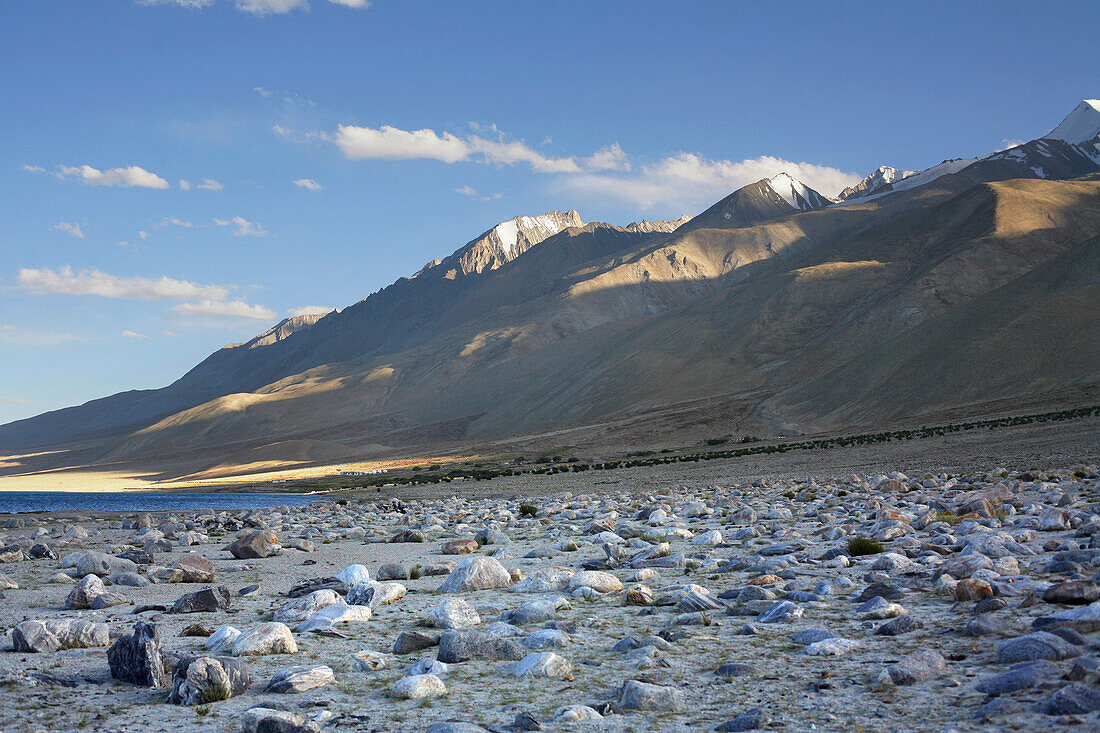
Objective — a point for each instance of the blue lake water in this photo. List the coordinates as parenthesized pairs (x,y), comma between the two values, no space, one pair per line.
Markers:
(142,501)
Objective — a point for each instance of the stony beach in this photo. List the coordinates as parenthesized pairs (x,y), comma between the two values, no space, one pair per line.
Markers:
(871,601)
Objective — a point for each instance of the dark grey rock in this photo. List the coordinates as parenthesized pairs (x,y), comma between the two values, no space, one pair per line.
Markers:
(1035,646)
(137,658)
(207,599)
(748,720)
(1073,699)
(1020,677)
(413,640)
(463,645)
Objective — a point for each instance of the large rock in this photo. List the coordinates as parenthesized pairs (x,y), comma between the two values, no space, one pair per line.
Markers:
(461,547)
(645,696)
(476,573)
(414,640)
(374,594)
(63,633)
(1073,593)
(205,600)
(1020,677)
(300,678)
(137,658)
(267,720)
(597,580)
(268,638)
(1084,620)
(329,616)
(916,667)
(201,680)
(222,640)
(195,569)
(453,613)
(463,645)
(418,686)
(1036,646)
(85,592)
(299,609)
(260,543)
(543,664)
(98,563)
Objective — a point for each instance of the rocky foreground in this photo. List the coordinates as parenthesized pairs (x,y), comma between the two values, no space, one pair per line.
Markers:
(882,602)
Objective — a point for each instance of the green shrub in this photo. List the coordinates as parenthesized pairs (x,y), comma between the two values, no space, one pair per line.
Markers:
(864,546)
(528,510)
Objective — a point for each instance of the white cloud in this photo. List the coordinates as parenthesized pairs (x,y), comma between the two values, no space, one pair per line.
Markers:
(611,158)
(13,401)
(687,179)
(93,282)
(266,7)
(185,185)
(189,4)
(229,309)
(1009,142)
(309,310)
(472,193)
(308,183)
(71,229)
(256,7)
(243,227)
(133,176)
(133,335)
(33,168)
(262,92)
(171,334)
(209,184)
(391,143)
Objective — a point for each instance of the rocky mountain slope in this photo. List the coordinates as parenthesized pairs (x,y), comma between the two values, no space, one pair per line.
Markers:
(789,312)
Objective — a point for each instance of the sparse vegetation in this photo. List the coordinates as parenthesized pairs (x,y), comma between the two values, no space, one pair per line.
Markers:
(858,546)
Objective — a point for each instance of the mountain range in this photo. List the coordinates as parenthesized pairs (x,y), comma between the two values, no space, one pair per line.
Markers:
(911,296)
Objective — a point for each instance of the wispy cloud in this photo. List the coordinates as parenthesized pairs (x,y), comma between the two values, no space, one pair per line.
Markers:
(133,176)
(256,7)
(309,184)
(687,179)
(20,336)
(65,281)
(70,229)
(13,401)
(676,181)
(209,184)
(224,308)
(392,143)
(470,191)
(133,335)
(242,227)
(309,310)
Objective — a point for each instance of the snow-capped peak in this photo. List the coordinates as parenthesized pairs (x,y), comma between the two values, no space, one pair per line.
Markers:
(796,193)
(533,228)
(1082,124)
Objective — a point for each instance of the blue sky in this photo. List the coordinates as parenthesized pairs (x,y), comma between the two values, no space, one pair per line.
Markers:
(180,174)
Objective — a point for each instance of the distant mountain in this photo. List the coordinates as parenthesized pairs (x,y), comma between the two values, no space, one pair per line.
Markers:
(775,310)
(877,181)
(1071,149)
(768,198)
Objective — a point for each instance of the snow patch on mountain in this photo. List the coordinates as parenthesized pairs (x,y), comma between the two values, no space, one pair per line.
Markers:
(1081,125)
(796,193)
